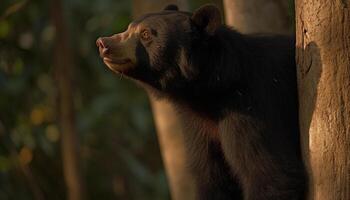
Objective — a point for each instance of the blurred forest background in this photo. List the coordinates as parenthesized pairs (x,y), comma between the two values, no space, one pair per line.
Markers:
(119,151)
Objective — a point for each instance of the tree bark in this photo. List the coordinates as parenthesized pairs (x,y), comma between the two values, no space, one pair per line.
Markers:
(169,130)
(252,16)
(323,59)
(63,66)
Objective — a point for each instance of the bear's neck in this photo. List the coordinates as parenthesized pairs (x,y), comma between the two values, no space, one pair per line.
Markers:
(222,61)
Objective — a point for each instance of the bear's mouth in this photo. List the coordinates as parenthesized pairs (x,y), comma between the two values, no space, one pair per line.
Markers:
(117,65)
(116,61)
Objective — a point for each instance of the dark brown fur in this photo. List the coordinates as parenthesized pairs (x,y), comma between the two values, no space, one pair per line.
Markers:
(235,93)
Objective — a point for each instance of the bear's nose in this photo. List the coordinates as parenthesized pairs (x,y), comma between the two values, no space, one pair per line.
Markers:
(99,43)
(102,46)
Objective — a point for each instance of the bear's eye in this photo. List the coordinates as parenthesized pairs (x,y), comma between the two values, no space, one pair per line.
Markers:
(145,35)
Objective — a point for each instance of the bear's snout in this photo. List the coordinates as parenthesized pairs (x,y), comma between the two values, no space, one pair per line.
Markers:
(103,46)
(117,53)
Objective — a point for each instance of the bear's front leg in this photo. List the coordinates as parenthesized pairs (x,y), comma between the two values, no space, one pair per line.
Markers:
(262,173)
(212,174)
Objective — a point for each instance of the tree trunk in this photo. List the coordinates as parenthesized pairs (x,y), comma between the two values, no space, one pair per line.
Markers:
(252,16)
(63,66)
(323,58)
(170,133)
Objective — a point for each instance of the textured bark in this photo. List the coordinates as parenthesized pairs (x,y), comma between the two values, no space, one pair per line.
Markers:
(252,16)
(323,58)
(63,65)
(170,134)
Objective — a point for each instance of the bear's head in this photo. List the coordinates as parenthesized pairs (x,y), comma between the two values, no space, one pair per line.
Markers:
(159,49)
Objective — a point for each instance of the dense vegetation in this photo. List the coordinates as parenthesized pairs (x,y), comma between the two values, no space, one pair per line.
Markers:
(118,142)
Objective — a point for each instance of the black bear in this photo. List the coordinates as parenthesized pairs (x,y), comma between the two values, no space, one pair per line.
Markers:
(237,93)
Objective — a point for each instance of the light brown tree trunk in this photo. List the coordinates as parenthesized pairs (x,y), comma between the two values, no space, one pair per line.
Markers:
(252,16)
(141,7)
(167,123)
(63,66)
(323,58)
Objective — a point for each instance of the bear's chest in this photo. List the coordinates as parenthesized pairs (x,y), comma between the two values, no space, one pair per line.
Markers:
(200,127)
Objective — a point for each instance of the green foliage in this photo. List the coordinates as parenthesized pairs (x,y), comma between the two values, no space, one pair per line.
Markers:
(120,154)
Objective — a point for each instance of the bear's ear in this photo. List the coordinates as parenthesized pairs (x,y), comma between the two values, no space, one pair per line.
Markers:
(208,18)
(171,7)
